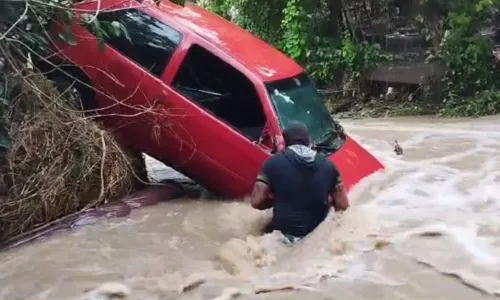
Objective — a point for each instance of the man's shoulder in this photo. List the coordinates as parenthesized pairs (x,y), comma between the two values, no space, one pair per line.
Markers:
(276,161)
(273,159)
(320,157)
(326,162)
(280,155)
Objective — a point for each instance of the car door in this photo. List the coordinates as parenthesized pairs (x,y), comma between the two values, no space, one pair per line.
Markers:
(217,153)
(134,67)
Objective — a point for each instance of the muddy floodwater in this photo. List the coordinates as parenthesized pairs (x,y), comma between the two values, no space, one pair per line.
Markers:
(428,227)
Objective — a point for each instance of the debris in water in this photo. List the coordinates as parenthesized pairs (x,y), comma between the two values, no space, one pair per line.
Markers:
(108,291)
(192,284)
(431,234)
(276,289)
(397,148)
(382,244)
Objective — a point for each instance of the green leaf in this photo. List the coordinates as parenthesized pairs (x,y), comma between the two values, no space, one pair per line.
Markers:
(116,28)
(99,34)
(125,33)
(100,44)
(66,16)
(68,38)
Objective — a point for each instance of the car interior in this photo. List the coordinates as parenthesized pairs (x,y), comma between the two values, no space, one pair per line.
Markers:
(222,90)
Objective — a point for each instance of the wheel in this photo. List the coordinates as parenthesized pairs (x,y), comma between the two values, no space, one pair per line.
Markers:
(141,178)
(76,88)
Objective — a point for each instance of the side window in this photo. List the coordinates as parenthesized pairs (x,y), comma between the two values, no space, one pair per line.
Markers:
(152,43)
(221,90)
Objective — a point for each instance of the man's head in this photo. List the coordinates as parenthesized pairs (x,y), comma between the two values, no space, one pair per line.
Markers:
(296,134)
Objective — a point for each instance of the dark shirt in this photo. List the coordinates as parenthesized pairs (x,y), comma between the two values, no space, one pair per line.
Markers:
(301,189)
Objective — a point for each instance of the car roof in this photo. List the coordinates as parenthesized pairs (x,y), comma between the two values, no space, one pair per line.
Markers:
(263,60)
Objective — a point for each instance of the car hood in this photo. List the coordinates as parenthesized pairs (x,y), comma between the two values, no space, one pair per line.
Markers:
(354,163)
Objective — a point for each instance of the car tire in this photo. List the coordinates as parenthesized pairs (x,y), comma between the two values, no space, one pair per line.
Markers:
(77,88)
(140,176)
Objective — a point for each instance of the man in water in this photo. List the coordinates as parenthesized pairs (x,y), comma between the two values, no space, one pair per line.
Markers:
(305,184)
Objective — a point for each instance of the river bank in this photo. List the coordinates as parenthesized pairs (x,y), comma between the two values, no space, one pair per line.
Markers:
(404,105)
(380,108)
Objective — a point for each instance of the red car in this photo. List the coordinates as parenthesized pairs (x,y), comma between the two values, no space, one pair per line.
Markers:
(224,95)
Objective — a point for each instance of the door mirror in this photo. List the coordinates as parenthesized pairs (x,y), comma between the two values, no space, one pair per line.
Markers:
(268,139)
(274,147)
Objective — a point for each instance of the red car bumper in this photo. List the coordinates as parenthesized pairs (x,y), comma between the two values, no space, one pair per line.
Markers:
(354,163)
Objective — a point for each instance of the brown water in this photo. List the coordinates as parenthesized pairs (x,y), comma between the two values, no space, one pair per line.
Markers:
(434,211)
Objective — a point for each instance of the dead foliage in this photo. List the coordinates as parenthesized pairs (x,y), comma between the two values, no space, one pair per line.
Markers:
(60,162)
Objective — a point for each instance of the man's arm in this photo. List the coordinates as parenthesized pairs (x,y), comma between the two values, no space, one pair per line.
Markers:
(339,199)
(260,194)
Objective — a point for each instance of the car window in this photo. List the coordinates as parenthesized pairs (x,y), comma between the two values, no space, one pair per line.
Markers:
(152,42)
(221,90)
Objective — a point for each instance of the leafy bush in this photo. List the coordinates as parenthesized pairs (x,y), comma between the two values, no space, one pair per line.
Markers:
(472,79)
(308,31)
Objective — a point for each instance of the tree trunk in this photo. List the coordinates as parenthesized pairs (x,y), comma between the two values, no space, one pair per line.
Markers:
(433,14)
(334,13)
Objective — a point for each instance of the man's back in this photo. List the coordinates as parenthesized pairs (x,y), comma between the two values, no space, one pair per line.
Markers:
(301,185)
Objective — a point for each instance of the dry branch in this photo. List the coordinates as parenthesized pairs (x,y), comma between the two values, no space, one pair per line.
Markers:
(59,163)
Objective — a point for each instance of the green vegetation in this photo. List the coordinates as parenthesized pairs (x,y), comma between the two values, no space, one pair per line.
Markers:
(320,35)
(312,32)
(472,80)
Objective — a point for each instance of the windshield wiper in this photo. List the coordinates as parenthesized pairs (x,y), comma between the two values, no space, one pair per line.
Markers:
(329,148)
(325,137)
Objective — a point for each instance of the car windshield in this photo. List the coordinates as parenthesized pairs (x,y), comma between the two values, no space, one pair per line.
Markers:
(297,99)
